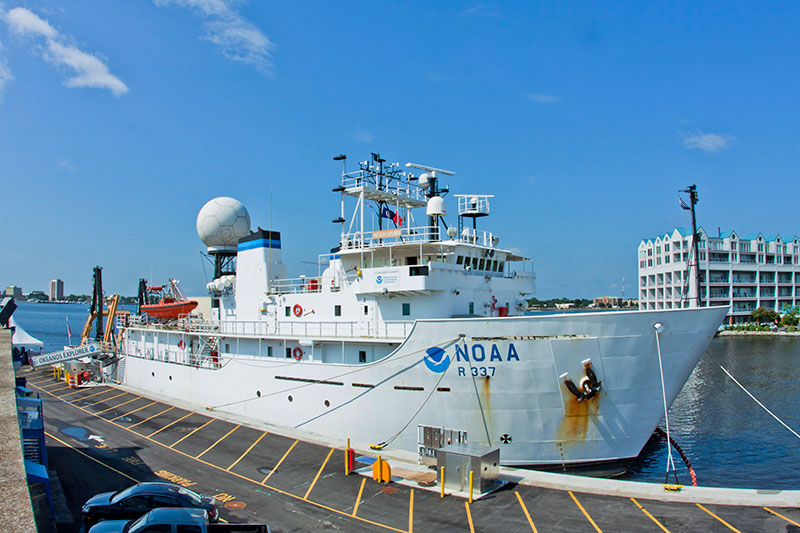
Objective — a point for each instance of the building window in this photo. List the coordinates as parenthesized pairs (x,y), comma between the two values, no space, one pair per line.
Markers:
(337,310)
(362,356)
(288,310)
(406,309)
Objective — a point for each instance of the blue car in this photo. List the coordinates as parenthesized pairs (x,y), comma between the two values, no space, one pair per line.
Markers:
(135,501)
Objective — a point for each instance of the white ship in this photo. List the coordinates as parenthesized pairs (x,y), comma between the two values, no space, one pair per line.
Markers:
(413,335)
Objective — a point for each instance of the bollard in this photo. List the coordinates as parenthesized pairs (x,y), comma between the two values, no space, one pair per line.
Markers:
(441,483)
(470,486)
(347,459)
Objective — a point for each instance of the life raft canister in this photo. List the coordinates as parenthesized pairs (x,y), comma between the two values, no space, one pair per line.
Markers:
(297,310)
(297,353)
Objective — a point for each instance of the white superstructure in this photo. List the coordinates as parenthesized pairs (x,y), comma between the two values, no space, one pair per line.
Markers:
(413,335)
(741,271)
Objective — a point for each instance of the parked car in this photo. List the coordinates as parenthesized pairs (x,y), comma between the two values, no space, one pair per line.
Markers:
(135,501)
(173,520)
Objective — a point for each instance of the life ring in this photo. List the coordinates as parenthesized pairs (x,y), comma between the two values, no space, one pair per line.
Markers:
(181,344)
(297,310)
(297,353)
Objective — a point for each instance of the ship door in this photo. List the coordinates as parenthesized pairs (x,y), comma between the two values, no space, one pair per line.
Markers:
(367,318)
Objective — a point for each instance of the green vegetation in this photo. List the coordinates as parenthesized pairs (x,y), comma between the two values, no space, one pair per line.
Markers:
(580,303)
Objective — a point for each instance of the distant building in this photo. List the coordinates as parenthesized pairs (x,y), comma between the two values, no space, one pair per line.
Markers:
(568,305)
(56,290)
(607,301)
(742,271)
(13,291)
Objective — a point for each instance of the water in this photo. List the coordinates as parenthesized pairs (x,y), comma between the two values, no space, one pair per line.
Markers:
(729,439)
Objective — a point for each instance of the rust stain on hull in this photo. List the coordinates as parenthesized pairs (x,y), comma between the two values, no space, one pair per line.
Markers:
(575,424)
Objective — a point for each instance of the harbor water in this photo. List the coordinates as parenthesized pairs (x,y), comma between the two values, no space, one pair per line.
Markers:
(729,439)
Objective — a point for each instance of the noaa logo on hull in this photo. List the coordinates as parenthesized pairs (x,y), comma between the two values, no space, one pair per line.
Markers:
(379,280)
(436,359)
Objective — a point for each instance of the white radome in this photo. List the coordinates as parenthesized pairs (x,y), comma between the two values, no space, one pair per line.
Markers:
(222,222)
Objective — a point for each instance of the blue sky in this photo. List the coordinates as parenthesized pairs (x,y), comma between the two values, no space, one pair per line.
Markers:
(119,120)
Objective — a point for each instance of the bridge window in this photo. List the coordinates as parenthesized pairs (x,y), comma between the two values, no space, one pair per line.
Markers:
(406,309)
(460,259)
(288,310)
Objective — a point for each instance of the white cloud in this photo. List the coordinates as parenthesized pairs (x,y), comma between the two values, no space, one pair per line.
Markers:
(67,165)
(363,137)
(541,98)
(238,39)
(5,72)
(708,142)
(484,11)
(87,69)
(26,22)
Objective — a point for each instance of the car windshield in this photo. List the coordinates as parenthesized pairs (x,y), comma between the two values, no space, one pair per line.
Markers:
(135,525)
(192,496)
(124,493)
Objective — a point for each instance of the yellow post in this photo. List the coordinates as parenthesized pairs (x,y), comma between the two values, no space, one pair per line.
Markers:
(380,469)
(346,462)
(441,483)
(470,486)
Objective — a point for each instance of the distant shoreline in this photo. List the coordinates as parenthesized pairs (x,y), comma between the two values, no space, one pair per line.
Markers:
(758,333)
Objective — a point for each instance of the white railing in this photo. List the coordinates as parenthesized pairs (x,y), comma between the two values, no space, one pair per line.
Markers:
(396,329)
(383,182)
(415,235)
(301,285)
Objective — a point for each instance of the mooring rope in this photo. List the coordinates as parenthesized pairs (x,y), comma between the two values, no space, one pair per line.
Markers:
(670,461)
(759,403)
(688,463)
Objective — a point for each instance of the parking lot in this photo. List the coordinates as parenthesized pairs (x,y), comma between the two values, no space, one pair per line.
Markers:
(105,438)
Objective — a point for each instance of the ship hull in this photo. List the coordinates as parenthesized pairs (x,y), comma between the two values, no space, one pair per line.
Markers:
(500,381)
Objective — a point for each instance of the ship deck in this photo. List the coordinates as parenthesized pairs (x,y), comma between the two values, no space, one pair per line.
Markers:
(105,438)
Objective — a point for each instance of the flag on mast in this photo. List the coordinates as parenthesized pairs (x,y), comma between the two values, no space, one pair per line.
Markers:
(683,205)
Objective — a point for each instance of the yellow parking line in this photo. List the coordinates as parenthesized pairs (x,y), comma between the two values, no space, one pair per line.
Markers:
(218,441)
(718,518)
(469,518)
(150,418)
(119,405)
(61,384)
(105,399)
(410,511)
(279,462)
(358,499)
(131,412)
(192,433)
(246,452)
(245,478)
(318,473)
(778,514)
(653,518)
(90,457)
(584,512)
(525,510)
(168,425)
(90,395)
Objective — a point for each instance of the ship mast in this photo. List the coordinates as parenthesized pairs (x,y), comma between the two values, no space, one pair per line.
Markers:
(692,190)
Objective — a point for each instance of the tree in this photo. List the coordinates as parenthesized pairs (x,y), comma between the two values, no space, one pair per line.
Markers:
(762,315)
(791,316)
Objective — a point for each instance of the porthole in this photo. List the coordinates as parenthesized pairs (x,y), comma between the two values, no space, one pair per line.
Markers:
(327,403)
(258,393)
(170,378)
(290,398)
(153,374)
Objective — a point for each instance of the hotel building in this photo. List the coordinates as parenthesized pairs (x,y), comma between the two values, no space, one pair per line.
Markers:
(742,271)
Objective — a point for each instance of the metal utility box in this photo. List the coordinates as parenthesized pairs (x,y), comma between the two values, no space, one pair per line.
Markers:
(459,460)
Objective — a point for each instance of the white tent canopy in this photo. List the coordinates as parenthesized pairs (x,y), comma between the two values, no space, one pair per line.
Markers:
(21,338)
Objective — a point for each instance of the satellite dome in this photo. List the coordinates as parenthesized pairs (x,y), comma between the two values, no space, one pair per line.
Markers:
(436,206)
(221,223)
